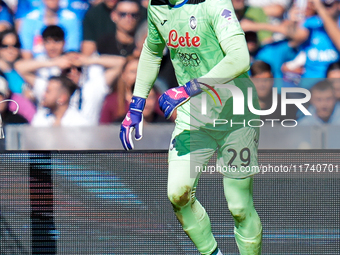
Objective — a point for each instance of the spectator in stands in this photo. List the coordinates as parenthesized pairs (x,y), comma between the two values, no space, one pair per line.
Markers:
(296,17)
(272,8)
(166,77)
(145,3)
(9,53)
(88,74)
(140,37)
(56,102)
(126,15)
(263,80)
(294,68)
(288,63)
(7,115)
(23,8)
(97,23)
(116,103)
(36,72)
(333,74)
(6,18)
(79,7)
(321,37)
(36,21)
(252,44)
(246,13)
(282,50)
(151,112)
(326,108)
(113,64)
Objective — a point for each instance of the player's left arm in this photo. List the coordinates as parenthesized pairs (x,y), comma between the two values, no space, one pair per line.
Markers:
(232,41)
(235,63)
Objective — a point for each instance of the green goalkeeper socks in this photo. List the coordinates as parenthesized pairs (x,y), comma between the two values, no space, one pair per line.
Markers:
(199,230)
(249,246)
(248,229)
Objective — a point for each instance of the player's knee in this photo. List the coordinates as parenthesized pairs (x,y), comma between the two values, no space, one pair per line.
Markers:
(180,198)
(239,213)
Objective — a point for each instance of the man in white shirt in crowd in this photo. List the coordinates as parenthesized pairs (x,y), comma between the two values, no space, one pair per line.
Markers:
(99,71)
(92,81)
(36,72)
(56,100)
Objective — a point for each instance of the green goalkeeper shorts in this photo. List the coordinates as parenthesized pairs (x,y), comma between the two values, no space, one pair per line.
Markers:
(236,150)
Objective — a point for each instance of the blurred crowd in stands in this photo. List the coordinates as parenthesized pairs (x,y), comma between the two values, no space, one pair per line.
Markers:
(74,62)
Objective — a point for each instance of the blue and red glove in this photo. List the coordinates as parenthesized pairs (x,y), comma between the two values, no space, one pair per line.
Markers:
(133,121)
(175,97)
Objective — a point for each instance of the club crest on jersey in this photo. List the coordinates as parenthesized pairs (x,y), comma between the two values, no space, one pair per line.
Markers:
(193,22)
(176,41)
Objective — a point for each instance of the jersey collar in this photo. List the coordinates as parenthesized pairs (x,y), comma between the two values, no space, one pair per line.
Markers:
(177,5)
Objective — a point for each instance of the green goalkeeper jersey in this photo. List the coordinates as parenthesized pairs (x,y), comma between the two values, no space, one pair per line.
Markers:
(194,34)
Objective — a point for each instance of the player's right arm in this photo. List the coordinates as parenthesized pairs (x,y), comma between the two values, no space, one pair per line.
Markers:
(147,72)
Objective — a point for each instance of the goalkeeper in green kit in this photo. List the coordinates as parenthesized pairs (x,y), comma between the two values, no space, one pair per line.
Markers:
(208,51)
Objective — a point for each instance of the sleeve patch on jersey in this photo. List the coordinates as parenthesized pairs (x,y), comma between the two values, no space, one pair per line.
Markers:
(226,14)
(229,19)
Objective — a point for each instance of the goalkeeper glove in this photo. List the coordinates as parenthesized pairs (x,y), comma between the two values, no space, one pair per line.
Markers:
(133,121)
(175,97)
